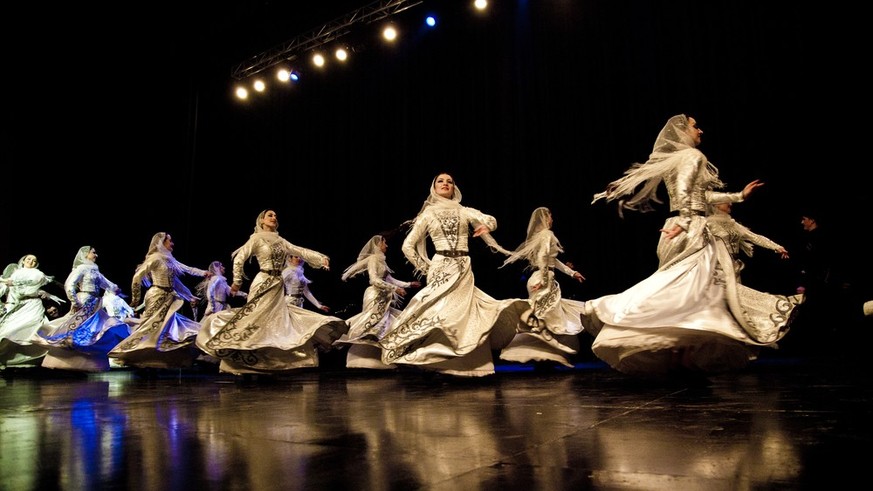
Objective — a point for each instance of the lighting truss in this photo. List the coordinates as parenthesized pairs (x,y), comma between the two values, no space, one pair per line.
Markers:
(290,50)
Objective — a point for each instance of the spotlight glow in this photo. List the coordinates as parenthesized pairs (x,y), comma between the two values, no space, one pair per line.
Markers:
(481,4)
(389,33)
(341,54)
(259,85)
(318,59)
(242,93)
(430,21)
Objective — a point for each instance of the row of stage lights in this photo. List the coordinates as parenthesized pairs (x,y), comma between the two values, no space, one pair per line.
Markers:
(287,75)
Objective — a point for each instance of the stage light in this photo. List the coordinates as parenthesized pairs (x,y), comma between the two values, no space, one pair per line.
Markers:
(318,59)
(389,33)
(242,93)
(285,75)
(341,54)
(430,21)
(259,85)
(480,4)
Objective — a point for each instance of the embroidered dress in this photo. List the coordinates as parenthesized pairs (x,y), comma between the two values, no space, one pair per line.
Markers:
(267,335)
(682,318)
(380,308)
(24,315)
(82,339)
(450,326)
(550,327)
(163,337)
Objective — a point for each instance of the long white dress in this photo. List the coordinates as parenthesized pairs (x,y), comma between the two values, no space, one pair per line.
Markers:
(550,331)
(683,319)
(375,319)
(162,337)
(81,339)
(24,315)
(450,326)
(267,335)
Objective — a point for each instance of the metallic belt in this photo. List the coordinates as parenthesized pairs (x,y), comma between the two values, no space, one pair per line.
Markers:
(272,272)
(453,253)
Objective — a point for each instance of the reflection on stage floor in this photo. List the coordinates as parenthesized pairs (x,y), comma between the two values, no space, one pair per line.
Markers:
(783,423)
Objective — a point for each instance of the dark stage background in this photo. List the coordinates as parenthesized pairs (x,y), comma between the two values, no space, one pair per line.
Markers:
(121,124)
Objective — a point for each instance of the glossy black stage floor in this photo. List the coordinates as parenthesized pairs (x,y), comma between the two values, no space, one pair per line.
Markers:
(786,422)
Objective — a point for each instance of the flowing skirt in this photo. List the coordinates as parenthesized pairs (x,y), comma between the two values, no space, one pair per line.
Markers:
(549,329)
(450,326)
(267,335)
(367,328)
(82,339)
(162,337)
(18,328)
(685,319)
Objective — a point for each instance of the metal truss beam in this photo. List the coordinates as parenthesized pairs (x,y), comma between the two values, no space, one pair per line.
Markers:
(290,50)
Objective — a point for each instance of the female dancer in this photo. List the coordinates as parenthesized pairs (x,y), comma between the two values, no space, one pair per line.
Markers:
(24,314)
(450,326)
(380,306)
(162,337)
(81,340)
(266,335)
(553,323)
(679,320)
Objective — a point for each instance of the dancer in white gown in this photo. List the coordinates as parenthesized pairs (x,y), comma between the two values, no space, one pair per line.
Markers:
(267,335)
(382,298)
(214,291)
(552,324)
(450,326)
(679,320)
(162,337)
(297,285)
(81,339)
(24,314)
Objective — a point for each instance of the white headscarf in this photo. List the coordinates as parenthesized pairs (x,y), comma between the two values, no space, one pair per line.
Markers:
(82,257)
(203,287)
(158,252)
(671,146)
(35,261)
(9,269)
(434,200)
(538,230)
(371,248)
(259,231)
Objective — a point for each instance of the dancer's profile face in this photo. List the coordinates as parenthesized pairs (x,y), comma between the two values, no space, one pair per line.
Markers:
(693,131)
